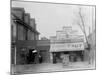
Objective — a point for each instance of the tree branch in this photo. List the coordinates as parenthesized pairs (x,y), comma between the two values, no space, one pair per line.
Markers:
(83,25)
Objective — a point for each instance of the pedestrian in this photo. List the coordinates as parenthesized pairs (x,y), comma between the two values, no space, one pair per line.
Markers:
(40,58)
(27,58)
(54,58)
(65,59)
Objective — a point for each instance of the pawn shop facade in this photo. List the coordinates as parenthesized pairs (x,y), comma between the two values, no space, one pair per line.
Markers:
(74,49)
(67,42)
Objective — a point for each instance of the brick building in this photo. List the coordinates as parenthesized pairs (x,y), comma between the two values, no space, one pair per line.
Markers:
(23,35)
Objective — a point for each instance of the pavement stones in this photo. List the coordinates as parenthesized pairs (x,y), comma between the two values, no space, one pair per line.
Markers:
(49,67)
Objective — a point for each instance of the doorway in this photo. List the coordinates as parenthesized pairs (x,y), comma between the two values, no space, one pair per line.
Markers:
(45,56)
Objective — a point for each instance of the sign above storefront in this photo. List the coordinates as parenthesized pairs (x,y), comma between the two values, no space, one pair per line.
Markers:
(56,47)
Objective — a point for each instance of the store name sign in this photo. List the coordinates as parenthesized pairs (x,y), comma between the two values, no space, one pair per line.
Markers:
(67,46)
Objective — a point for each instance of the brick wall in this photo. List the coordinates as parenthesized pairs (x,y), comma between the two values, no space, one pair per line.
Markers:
(20,32)
(32,23)
(19,12)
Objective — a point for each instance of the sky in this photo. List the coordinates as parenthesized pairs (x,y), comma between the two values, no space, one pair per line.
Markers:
(52,17)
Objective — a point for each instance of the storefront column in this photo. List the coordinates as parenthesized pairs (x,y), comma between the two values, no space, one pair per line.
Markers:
(51,57)
(15,56)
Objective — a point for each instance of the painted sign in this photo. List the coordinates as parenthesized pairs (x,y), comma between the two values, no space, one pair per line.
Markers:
(55,47)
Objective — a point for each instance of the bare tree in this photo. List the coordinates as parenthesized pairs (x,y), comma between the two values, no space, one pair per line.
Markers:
(81,23)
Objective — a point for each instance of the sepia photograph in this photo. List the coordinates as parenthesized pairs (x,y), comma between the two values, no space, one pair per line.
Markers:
(52,37)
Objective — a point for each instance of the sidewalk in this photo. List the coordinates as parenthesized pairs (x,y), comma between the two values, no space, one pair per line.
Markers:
(49,67)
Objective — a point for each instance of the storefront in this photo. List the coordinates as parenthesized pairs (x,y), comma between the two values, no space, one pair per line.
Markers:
(75,51)
(25,50)
(45,56)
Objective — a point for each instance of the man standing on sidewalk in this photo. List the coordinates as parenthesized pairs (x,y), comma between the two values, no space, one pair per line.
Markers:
(65,59)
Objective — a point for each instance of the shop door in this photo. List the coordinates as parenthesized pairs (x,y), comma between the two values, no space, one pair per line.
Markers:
(45,56)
